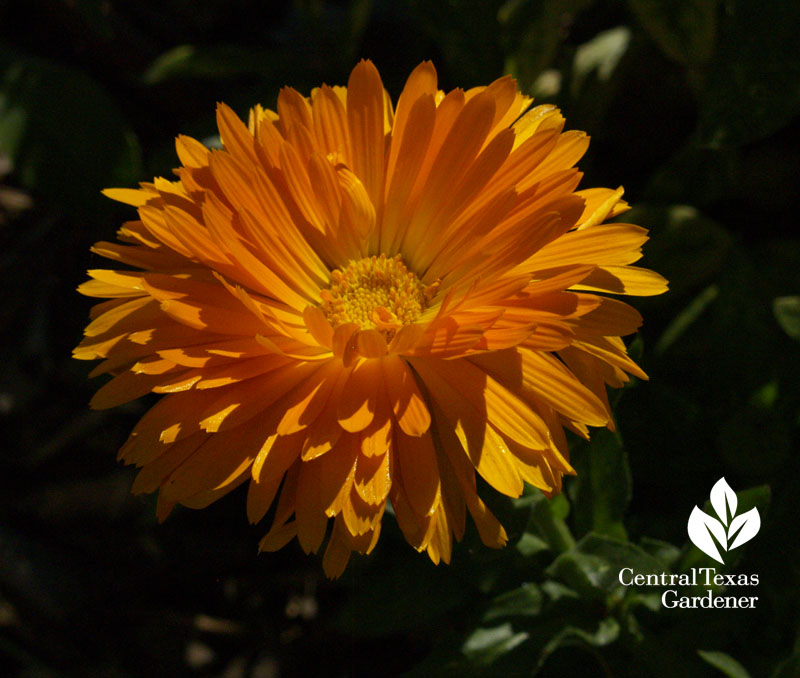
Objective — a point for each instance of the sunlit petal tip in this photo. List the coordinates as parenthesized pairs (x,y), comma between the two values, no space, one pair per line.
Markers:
(129,196)
(352,302)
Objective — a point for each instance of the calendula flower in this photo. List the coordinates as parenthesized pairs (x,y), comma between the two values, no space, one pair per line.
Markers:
(353,305)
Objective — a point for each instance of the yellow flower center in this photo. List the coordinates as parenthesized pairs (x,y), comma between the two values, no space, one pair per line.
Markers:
(376,293)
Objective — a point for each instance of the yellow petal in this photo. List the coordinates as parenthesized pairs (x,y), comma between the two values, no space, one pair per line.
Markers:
(624,280)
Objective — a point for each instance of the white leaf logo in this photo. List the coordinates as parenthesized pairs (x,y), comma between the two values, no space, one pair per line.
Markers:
(727,528)
(748,524)
(722,495)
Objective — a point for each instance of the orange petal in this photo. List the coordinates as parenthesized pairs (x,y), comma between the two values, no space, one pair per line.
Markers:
(330,123)
(418,471)
(465,408)
(408,152)
(601,204)
(337,553)
(448,338)
(421,82)
(191,152)
(221,458)
(611,318)
(609,244)
(235,136)
(365,124)
(551,381)
(156,471)
(407,402)
(376,438)
(360,517)
(336,473)
(370,343)
(373,478)
(124,388)
(490,530)
(358,400)
(130,196)
(305,403)
(273,461)
(311,519)
(239,402)
(278,537)
(318,326)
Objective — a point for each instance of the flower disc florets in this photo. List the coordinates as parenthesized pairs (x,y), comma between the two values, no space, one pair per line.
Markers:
(377,292)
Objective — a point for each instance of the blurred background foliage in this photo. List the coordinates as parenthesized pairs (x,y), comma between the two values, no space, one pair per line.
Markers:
(692,105)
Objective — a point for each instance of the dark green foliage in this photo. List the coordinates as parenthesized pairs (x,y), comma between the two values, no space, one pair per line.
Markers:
(692,105)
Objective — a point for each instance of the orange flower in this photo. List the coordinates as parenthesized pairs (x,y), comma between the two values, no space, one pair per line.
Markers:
(354,304)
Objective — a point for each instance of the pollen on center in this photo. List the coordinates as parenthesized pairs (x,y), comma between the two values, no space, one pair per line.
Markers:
(377,292)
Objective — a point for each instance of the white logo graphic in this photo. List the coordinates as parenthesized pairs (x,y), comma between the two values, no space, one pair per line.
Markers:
(730,530)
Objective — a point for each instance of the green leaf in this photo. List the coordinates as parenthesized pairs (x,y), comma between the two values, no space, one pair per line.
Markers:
(547,520)
(559,594)
(596,76)
(525,601)
(787,313)
(666,553)
(66,136)
(603,486)
(725,663)
(599,57)
(607,632)
(589,575)
(486,645)
(685,31)
(529,545)
(576,644)
(559,506)
(592,567)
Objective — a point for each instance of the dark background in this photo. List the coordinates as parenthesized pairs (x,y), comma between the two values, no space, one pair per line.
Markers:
(692,106)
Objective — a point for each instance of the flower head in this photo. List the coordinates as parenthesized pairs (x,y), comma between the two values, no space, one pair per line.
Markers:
(353,304)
